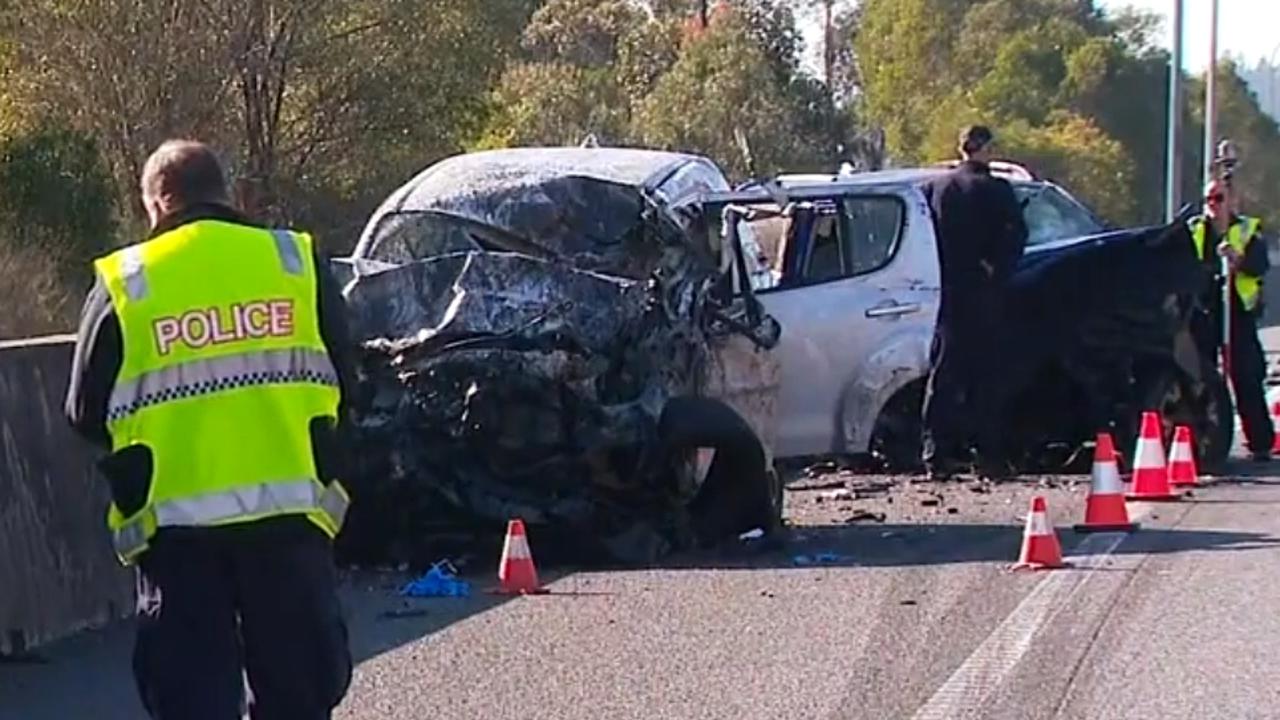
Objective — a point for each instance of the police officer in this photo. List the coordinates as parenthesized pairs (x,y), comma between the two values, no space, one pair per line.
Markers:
(209,368)
(1220,233)
(981,235)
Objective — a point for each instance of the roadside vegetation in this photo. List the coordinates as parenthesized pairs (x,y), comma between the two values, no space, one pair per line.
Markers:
(323,107)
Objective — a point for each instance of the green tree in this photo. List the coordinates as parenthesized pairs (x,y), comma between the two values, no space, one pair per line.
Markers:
(1257,179)
(322,106)
(1074,152)
(55,213)
(56,193)
(724,84)
(555,103)
(581,32)
(904,51)
(1071,89)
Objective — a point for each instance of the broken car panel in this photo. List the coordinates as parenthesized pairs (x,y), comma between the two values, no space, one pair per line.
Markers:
(547,337)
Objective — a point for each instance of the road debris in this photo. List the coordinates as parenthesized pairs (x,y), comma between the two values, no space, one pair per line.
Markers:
(439,581)
(403,613)
(819,469)
(822,558)
(860,515)
(835,495)
(803,486)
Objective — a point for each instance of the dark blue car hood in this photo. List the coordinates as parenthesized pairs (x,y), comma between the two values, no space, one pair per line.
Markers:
(1126,291)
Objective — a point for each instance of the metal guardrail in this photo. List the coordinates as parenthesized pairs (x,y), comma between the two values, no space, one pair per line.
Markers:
(58,574)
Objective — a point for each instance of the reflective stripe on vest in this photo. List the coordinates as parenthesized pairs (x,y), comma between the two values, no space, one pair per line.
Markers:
(133,268)
(223,376)
(1248,287)
(287,247)
(289,496)
(135,280)
(201,377)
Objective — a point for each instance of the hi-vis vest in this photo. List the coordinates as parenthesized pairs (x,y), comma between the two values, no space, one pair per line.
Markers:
(223,371)
(1239,236)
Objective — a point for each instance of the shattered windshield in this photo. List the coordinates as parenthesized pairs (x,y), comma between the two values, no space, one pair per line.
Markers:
(1051,215)
(570,217)
(405,237)
(605,210)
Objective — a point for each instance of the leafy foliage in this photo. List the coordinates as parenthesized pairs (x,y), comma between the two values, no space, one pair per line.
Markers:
(56,193)
(1078,94)
(322,107)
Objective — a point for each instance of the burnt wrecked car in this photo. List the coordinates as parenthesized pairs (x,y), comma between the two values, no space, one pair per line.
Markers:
(548,334)
(1103,322)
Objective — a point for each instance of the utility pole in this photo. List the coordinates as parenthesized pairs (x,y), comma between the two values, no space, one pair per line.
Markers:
(828,42)
(1173,167)
(1210,98)
(1273,107)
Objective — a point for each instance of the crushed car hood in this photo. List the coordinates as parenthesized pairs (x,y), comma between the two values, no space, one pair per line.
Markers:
(1123,292)
(496,385)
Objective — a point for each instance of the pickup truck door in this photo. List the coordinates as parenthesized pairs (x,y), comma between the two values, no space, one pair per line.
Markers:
(857,302)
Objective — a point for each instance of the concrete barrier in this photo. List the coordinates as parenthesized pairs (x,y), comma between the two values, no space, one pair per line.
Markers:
(57,572)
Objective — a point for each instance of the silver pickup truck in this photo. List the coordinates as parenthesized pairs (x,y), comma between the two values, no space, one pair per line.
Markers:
(853,278)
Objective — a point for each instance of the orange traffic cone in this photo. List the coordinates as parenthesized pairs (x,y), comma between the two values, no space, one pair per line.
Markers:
(1150,475)
(1040,548)
(1275,420)
(1182,463)
(516,573)
(1104,510)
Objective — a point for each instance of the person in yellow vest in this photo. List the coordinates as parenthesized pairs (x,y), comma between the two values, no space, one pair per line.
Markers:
(210,368)
(1222,233)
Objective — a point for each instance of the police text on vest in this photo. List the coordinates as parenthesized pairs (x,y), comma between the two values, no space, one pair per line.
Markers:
(215,326)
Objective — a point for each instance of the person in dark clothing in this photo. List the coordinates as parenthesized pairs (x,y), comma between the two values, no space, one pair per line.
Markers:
(1220,233)
(981,235)
(256,596)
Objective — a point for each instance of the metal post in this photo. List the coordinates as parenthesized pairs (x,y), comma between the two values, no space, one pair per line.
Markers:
(1210,168)
(1210,97)
(1273,107)
(1173,167)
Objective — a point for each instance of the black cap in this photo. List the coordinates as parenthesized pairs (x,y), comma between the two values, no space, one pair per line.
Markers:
(975,137)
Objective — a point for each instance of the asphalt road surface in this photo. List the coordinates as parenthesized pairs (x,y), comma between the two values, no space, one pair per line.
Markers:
(912,616)
(891,601)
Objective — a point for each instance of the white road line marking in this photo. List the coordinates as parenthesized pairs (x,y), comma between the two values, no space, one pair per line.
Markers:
(963,694)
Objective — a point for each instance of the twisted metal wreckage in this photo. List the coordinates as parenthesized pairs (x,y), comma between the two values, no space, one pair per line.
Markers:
(545,338)
(569,336)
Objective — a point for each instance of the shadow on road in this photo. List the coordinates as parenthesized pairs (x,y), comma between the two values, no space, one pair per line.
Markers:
(892,545)
(381,619)
(90,675)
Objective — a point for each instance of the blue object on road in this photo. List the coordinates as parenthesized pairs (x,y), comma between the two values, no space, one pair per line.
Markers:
(440,581)
(822,558)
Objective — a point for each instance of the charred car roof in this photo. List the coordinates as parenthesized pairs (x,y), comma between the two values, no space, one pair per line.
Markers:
(581,204)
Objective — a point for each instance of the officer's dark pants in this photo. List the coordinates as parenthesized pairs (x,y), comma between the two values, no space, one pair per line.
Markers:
(1248,373)
(964,398)
(214,601)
